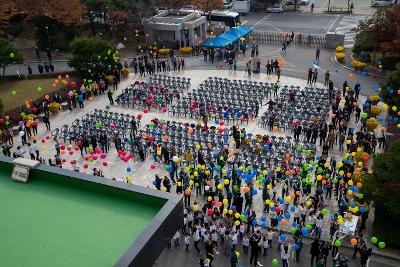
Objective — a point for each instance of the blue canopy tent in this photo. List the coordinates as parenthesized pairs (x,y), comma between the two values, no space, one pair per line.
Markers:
(235,32)
(245,31)
(217,42)
(228,36)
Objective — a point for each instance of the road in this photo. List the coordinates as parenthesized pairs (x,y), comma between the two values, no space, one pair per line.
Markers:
(179,257)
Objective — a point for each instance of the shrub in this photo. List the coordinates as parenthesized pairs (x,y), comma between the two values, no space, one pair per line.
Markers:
(340,56)
(374,99)
(371,124)
(125,72)
(54,108)
(389,62)
(359,157)
(164,51)
(339,49)
(186,50)
(375,111)
(358,65)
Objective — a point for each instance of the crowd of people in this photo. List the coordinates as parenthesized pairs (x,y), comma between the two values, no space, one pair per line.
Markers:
(228,215)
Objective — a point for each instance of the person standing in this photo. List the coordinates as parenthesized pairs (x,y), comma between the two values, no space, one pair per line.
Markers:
(285,255)
(317,52)
(233,258)
(49,55)
(315,76)
(327,77)
(254,240)
(110,98)
(314,251)
(278,73)
(310,76)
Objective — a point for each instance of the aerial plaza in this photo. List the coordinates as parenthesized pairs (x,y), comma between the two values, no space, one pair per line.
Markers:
(197,136)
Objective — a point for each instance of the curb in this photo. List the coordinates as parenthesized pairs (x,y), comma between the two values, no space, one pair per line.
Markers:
(54,61)
(352,69)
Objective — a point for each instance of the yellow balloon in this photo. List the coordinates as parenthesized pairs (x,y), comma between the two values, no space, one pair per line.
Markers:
(237,222)
(308,203)
(226,181)
(196,207)
(269,186)
(225,211)
(225,201)
(230,212)
(267,201)
(237,215)
(209,198)
(219,186)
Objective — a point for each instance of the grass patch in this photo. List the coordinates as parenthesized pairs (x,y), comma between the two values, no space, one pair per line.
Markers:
(26,89)
(386,228)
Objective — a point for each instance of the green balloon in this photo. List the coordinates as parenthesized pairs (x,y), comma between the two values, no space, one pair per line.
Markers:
(309,227)
(364,115)
(293,230)
(12,55)
(242,217)
(39,89)
(335,181)
(360,196)
(374,240)
(22,114)
(324,211)
(381,244)
(108,107)
(13,93)
(338,243)
(298,148)
(275,262)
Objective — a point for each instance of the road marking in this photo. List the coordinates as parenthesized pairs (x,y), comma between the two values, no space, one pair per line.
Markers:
(258,22)
(337,17)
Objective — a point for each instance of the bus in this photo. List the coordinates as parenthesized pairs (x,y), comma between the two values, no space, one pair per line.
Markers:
(227,19)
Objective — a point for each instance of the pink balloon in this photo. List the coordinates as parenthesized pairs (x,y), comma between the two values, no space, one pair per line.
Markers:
(103,155)
(164,109)
(153,166)
(95,157)
(70,93)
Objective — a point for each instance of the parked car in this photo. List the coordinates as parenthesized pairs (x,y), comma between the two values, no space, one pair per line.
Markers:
(381,3)
(299,2)
(275,9)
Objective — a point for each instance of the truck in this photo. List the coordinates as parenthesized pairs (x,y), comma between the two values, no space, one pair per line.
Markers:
(241,7)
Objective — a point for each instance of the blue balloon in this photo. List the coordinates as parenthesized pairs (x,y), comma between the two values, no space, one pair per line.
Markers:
(279,218)
(233,207)
(254,192)
(282,237)
(353,205)
(287,215)
(263,218)
(304,231)
(216,121)
(154,183)
(362,209)
(246,213)
(129,169)
(294,224)
(337,70)
(281,201)
(254,222)
(296,247)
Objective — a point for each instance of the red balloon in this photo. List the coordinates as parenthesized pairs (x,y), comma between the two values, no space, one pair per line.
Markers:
(210,212)
(145,111)
(105,164)
(73,84)
(85,166)
(139,116)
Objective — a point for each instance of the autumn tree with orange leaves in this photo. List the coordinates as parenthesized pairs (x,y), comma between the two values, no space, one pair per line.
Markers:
(206,6)
(68,12)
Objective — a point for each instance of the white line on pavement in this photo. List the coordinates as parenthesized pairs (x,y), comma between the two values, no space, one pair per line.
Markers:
(258,22)
(338,16)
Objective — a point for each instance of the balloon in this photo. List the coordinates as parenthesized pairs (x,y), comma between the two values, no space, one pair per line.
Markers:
(275,262)
(12,55)
(73,84)
(381,244)
(13,93)
(70,93)
(338,243)
(374,240)
(353,242)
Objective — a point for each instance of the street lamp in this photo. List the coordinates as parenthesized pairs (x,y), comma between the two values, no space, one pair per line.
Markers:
(48,36)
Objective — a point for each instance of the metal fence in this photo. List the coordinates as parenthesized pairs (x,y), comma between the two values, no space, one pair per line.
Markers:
(300,39)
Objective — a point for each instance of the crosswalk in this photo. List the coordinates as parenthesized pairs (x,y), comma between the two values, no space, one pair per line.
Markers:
(345,27)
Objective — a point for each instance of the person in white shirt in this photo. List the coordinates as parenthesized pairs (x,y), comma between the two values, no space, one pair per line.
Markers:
(196,238)
(285,255)
(75,166)
(270,235)
(319,222)
(242,228)
(245,243)
(265,246)
(31,151)
(187,242)
(176,238)
(214,238)
(222,230)
(20,152)
(234,239)
(36,148)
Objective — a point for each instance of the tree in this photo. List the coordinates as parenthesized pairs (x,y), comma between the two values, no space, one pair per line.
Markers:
(390,93)
(381,33)
(91,55)
(205,6)
(383,187)
(68,12)
(8,54)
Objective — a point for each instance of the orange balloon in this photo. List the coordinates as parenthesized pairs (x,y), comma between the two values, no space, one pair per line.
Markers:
(246,189)
(283,222)
(353,242)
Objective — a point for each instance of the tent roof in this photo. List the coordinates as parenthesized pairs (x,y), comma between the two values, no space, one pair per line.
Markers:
(230,37)
(244,29)
(217,42)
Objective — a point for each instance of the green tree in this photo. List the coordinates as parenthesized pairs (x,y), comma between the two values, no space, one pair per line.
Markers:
(383,188)
(1,108)
(92,55)
(390,93)
(8,55)
(383,185)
